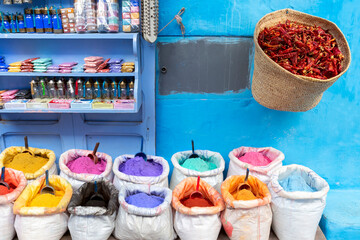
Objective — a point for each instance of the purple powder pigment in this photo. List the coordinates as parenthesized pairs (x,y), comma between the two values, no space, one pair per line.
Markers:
(144,200)
(138,167)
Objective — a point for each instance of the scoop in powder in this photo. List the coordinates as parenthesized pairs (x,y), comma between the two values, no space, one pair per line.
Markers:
(138,167)
(144,200)
(86,165)
(198,164)
(255,159)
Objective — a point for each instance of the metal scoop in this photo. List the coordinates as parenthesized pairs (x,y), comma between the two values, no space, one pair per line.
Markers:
(141,153)
(197,194)
(47,189)
(244,185)
(93,154)
(193,155)
(2,181)
(27,147)
(96,199)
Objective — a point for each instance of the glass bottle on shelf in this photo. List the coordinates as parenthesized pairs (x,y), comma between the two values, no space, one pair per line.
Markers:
(105,90)
(61,88)
(123,92)
(52,88)
(97,90)
(113,90)
(34,89)
(44,92)
(88,90)
(79,89)
(29,20)
(70,93)
(131,89)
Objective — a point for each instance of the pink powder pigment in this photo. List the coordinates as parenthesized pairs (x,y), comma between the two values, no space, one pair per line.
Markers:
(255,159)
(86,165)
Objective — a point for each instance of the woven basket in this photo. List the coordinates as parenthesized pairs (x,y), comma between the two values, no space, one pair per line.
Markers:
(276,88)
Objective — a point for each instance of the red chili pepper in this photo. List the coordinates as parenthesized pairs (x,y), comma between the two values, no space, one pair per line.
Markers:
(305,50)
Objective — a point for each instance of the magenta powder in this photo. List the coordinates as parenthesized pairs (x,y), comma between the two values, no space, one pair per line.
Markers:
(86,165)
(255,159)
(138,167)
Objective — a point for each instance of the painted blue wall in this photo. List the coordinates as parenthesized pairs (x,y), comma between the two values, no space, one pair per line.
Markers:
(325,139)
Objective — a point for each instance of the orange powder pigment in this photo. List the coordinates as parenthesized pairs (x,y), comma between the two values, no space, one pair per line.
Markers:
(196,202)
(244,195)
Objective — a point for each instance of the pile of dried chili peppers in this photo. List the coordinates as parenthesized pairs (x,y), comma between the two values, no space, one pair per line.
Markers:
(303,50)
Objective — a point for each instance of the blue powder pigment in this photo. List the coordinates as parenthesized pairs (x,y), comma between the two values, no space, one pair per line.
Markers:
(295,182)
(144,200)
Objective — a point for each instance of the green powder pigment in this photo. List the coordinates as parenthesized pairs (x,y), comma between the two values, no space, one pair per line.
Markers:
(198,164)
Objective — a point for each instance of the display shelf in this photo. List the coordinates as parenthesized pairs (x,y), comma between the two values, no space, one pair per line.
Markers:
(34,74)
(2,111)
(129,36)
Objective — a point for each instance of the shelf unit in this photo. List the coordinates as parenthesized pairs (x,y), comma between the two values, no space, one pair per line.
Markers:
(118,131)
(73,47)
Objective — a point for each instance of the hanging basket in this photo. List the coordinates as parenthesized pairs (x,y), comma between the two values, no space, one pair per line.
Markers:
(276,88)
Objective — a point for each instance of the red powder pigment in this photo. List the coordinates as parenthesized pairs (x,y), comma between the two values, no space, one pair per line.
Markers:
(196,202)
(255,159)
(4,190)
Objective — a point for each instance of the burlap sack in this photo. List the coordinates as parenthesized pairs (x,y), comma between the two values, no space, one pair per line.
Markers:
(276,88)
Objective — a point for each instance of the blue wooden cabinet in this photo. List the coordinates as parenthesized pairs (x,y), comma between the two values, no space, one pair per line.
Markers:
(118,131)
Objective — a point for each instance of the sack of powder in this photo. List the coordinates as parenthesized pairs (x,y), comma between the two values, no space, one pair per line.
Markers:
(78,179)
(17,183)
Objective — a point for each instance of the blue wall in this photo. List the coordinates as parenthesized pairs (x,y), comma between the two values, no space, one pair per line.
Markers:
(325,139)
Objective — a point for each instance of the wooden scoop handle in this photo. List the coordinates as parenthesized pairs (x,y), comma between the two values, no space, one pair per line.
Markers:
(96,148)
(26,142)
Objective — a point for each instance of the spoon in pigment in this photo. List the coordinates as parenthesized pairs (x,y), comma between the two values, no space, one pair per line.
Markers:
(47,189)
(141,153)
(96,199)
(244,185)
(193,155)
(27,147)
(2,181)
(92,155)
(197,194)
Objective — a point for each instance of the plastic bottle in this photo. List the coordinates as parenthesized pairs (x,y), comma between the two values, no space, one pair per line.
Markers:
(29,21)
(21,23)
(39,22)
(48,28)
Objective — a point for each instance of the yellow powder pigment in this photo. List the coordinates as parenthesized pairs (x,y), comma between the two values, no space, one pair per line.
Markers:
(26,163)
(47,200)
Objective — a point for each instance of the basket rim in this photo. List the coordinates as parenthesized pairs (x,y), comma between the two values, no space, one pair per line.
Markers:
(300,77)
